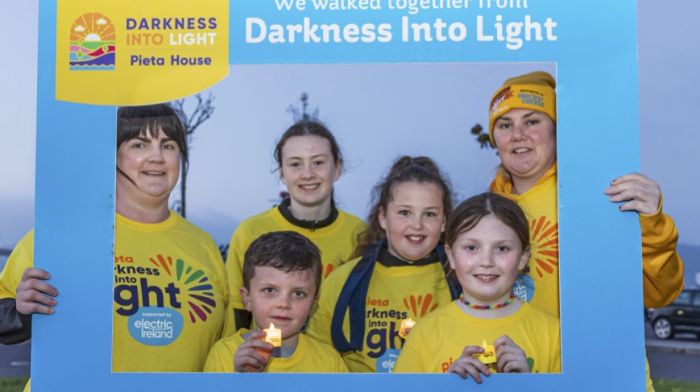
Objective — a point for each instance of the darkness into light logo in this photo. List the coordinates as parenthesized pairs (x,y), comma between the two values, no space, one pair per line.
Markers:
(198,288)
(92,43)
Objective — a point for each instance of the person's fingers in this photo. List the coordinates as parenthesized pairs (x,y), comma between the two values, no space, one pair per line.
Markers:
(30,297)
(634,205)
(37,285)
(634,197)
(507,367)
(469,366)
(34,278)
(504,359)
(476,364)
(259,345)
(247,357)
(632,177)
(514,364)
(510,357)
(469,351)
(257,335)
(35,273)
(248,363)
(502,341)
(459,369)
(475,373)
(32,308)
(633,192)
(647,207)
(33,302)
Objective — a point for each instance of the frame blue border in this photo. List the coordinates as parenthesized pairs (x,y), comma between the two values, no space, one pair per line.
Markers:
(602,330)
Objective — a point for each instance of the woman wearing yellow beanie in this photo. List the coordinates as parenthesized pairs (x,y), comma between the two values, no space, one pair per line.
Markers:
(522,127)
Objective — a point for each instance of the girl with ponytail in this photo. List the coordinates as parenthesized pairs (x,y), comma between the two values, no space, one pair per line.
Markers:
(399,272)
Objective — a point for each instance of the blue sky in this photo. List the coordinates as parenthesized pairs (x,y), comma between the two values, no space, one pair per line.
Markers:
(416,117)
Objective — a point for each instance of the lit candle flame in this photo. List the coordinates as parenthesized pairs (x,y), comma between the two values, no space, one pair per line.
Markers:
(273,335)
(405,328)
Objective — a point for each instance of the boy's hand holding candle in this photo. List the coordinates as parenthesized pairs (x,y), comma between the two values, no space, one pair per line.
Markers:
(253,354)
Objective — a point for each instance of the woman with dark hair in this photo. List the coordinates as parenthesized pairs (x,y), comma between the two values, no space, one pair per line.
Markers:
(309,163)
(170,289)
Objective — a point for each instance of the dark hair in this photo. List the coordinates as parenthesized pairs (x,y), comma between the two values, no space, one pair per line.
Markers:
(135,121)
(308,128)
(405,169)
(284,250)
(470,212)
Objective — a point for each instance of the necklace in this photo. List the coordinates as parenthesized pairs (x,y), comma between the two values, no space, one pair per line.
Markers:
(487,307)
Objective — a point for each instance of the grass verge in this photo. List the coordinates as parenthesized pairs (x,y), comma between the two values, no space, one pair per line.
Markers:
(663,385)
(12,384)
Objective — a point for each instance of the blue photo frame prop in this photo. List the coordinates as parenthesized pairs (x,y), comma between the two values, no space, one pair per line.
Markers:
(601,292)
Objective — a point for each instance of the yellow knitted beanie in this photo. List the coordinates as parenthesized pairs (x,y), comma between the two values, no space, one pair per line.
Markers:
(534,91)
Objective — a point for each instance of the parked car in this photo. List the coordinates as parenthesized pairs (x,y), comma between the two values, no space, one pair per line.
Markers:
(683,315)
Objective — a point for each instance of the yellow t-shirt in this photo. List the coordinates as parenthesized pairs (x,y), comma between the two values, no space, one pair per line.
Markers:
(541,286)
(170,294)
(438,340)
(310,356)
(336,242)
(395,293)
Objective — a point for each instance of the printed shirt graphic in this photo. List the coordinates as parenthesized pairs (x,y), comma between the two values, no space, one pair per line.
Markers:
(540,286)
(335,241)
(310,356)
(438,340)
(170,296)
(394,294)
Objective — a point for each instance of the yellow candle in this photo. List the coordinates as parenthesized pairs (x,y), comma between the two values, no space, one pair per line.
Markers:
(489,354)
(273,335)
(405,328)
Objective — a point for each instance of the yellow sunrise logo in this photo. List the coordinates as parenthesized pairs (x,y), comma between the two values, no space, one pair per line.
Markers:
(92,43)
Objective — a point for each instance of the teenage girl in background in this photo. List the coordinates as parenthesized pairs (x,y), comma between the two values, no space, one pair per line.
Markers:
(309,161)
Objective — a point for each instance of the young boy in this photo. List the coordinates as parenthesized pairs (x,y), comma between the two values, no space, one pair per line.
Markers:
(281,278)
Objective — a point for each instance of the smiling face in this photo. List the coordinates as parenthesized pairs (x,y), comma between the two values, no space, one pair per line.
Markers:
(527,146)
(487,260)
(413,220)
(147,169)
(282,298)
(308,170)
